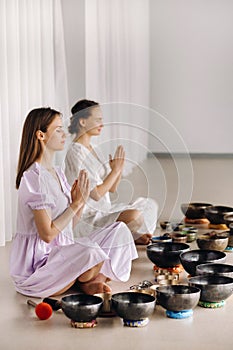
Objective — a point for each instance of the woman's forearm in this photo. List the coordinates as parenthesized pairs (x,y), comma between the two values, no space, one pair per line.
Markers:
(110,180)
(48,229)
(115,185)
(77,217)
(72,213)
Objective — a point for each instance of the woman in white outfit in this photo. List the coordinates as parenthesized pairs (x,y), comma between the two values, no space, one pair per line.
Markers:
(140,216)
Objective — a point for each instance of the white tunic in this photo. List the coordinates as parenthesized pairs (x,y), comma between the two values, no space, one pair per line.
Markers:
(100,213)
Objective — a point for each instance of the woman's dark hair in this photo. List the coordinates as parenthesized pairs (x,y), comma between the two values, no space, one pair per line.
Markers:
(81,110)
(30,147)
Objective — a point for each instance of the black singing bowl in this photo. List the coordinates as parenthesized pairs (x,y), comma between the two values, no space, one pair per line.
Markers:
(228,219)
(215,269)
(81,307)
(133,306)
(213,288)
(166,254)
(215,214)
(194,210)
(191,259)
(178,297)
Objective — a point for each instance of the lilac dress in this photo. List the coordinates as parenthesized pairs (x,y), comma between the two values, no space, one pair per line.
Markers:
(41,269)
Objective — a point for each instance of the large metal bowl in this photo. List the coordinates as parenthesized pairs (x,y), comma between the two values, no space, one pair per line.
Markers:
(194,210)
(132,305)
(215,214)
(191,259)
(178,297)
(81,307)
(213,288)
(215,269)
(166,254)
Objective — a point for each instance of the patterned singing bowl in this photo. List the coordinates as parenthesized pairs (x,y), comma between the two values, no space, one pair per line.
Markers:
(218,241)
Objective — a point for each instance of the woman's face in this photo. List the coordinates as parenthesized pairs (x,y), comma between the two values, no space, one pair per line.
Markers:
(55,135)
(94,124)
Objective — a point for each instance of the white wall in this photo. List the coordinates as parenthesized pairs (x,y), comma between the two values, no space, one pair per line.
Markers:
(192,74)
(74,34)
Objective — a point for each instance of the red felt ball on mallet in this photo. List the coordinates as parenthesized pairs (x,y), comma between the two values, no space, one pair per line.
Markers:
(43,311)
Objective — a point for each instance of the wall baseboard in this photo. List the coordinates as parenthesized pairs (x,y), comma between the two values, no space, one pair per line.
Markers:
(191,155)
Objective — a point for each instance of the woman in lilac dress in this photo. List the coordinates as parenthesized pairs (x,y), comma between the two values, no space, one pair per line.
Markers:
(45,260)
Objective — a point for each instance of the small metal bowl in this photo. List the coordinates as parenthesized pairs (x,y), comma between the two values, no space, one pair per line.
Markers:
(81,307)
(178,297)
(164,239)
(191,236)
(133,306)
(179,237)
(165,224)
(218,241)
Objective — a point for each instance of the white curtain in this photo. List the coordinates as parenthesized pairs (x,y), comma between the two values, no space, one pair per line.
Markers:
(117,72)
(33,74)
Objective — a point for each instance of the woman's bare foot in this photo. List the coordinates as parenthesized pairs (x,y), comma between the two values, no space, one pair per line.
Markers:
(144,239)
(96,285)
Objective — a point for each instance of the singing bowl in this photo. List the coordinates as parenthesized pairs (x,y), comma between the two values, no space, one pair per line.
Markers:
(215,269)
(179,237)
(166,254)
(132,305)
(215,214)
(228,219)
(81,307)
(178,297)
(191,259)
(213,288)
(218,241)
(194,210)
(191,236)
(164,224)
(161,239)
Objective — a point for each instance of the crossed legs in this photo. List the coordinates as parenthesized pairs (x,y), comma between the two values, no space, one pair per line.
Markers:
(134,220)
(90,282)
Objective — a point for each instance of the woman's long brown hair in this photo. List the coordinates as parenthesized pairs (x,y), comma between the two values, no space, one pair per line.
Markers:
(30,147)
